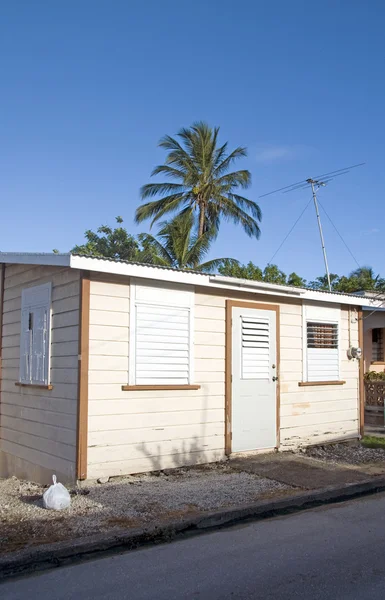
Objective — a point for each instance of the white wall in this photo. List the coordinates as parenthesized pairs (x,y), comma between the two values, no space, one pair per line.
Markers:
(136,431)
(38,427)
(312,415)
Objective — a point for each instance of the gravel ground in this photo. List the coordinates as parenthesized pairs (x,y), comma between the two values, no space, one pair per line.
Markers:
(127,502)
(343,453)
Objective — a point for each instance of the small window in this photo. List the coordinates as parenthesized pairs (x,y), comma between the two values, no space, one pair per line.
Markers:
(35,334)
(377,344)
(322,335)
(322,351)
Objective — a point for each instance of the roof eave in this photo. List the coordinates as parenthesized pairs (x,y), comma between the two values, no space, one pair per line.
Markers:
(32,258)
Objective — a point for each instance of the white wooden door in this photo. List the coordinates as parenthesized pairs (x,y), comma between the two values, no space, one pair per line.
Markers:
(254,379)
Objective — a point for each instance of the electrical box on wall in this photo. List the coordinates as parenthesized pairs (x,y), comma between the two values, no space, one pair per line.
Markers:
(354,352)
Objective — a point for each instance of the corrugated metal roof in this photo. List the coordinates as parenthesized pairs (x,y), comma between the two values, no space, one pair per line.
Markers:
(139,264)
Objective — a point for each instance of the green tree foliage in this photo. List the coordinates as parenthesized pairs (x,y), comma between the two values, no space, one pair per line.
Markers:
(321,283)
(176,245)
(111,243)
(362,279)
(249,271)
(296,281)
(200,183)
(270,274)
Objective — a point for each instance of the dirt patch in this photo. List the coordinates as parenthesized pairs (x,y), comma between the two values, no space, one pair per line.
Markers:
(346,454)
(124,503)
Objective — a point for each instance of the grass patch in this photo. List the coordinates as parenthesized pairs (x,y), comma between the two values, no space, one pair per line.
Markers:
(371,441)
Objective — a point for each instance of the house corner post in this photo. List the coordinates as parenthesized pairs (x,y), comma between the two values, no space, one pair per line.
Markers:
(83,367)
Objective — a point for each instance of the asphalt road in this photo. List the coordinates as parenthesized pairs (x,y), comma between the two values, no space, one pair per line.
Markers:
(333,552)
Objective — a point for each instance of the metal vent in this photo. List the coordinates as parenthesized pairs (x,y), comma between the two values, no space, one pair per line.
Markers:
(255,348)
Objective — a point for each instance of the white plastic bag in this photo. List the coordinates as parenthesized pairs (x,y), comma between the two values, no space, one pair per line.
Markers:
(57,496)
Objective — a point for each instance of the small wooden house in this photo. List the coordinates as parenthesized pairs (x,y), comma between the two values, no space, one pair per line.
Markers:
(111,368)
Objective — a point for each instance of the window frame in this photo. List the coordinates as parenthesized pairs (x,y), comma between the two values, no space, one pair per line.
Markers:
(324,316)
(34,297)
(377,360)
(188,305)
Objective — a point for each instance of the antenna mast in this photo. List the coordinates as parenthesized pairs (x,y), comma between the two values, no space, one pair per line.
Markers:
(314,183)
(319,181)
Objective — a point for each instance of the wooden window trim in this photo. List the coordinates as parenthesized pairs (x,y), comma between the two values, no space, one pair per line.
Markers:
(145,388)
(313,383)
(39,386)
(378,362)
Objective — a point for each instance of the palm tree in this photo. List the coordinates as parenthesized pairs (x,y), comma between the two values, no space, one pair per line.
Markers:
(364,278)
(201,183)
(179,247)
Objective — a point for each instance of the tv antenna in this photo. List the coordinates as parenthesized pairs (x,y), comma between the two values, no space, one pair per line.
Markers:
(315,184)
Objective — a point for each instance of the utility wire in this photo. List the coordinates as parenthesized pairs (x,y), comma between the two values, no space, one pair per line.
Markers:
(282,243)
(379,294)
(342,239)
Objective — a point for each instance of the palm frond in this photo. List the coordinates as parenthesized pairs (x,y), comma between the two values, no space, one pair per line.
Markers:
(169,171)
(157,208)
(236,179)
(152,247)
(248,205)
(155,189)
(233,156)
(234,213)
(213,265)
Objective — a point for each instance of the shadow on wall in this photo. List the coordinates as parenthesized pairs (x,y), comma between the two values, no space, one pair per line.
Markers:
(189,452)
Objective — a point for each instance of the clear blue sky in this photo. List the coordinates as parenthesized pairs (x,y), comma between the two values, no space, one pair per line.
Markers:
(87,89)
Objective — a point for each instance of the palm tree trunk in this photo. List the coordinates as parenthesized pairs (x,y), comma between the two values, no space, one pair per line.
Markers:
(201,225)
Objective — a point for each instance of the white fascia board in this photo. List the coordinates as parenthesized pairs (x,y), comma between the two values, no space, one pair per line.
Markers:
(132,270)
(333,298)
(260,286)
(44,259)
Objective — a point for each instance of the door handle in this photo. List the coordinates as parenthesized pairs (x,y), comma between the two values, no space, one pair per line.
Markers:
(275,378)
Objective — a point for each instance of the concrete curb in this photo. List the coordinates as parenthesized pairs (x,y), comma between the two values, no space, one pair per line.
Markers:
(61,553)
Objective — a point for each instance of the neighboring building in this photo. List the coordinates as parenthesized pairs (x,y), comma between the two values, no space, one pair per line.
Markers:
(111,368)
(374,330)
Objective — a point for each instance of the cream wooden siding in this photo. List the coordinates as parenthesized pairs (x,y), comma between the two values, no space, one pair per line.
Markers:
(308,415)
(138,431)
(313,415)
(38,427)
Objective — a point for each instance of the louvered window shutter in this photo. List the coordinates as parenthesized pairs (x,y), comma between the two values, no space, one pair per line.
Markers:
(255,348)
(162,345)
(39,345)
(35,334)
(322,351)
(25,347)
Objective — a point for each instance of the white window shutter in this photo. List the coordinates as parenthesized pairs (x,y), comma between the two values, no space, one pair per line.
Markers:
(322,351)
(25,348)
(39,345)
(35,334)
(162,348)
